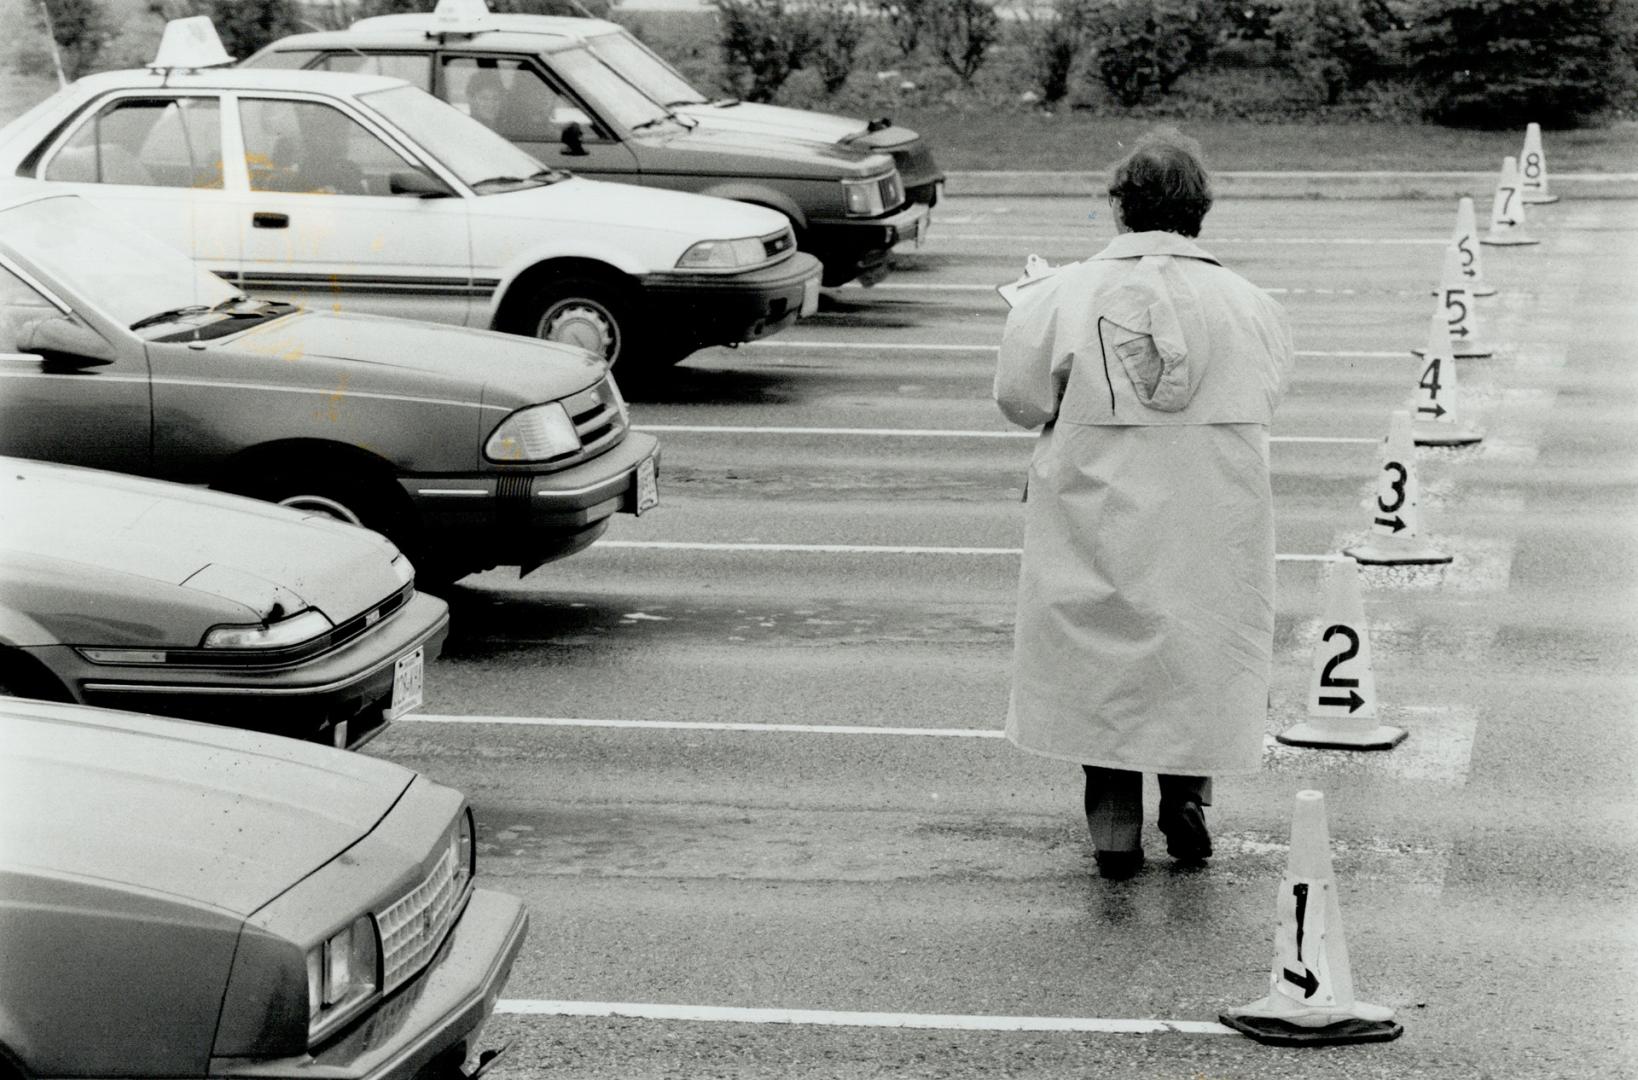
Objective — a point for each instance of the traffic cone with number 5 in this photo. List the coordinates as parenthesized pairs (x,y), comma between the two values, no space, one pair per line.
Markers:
(1433,406)
(1342,684)
(1310,997)
(1466,242)
(1507,209)
(1395,517)
(1460,314)
(1533,168)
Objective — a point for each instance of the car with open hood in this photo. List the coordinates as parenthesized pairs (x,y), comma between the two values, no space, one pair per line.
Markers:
(183,900)
(138,594)
(360,193)
(468,449)
(583,94)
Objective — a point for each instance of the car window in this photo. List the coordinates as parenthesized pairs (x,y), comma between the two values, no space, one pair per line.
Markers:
(510,97)
(148,142)
(20,308)
(413,68)
(600,84)
(282,58)
(644,70)
(310,147)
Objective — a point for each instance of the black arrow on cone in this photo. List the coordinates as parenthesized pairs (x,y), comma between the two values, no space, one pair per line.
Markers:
(1397,523)
(1437,410)
(1460,331)
(1307,980)
(1353,700)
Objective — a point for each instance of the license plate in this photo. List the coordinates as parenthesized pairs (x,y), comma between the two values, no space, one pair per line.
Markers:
(406,684)
(810,297)
(648,485)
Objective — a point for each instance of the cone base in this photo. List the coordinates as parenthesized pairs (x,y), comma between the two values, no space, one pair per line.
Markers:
(1318,736)
(1532,198)
(1469,351)
(1375,554)
(1433,436)
(1509,241)
(1271,1031)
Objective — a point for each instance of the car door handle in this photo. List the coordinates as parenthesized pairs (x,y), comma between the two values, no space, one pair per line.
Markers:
(264,220)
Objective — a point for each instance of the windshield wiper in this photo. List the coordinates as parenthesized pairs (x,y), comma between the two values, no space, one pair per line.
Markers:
(686,101)
(171,315)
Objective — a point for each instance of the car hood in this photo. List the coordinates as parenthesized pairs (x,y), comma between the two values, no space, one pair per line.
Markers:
(756,119)
(708,148)
(627,206)
(264,560)
(220,817)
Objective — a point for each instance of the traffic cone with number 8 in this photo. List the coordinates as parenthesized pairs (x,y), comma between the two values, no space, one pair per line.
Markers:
(1395,517)
(1342,685)
(1507,209)
(1311,987)
(1461,315)
(1434,403)
(1533,168)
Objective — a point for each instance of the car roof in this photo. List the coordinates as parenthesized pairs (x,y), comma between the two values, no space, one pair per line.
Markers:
(335,83)
(529,33)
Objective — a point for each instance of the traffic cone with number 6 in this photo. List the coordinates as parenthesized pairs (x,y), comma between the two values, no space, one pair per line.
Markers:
(1461,315)
(1434,403)
(1342,684)
(1507,209)
(1466,242)
(1395,517)
(1533,168)
(1310,998)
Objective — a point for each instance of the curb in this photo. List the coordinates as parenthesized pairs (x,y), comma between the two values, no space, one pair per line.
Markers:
(1300,185)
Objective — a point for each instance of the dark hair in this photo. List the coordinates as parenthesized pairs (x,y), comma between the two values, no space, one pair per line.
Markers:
(1162,185)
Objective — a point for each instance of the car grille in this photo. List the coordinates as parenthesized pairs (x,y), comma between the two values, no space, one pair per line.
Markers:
(414,926)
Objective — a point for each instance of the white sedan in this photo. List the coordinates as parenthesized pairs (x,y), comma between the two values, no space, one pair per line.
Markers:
(362,193)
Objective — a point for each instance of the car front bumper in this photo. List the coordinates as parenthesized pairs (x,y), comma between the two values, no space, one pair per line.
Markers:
(860,247)
(430,1024)
(707,309)
(524,519)
(351,685)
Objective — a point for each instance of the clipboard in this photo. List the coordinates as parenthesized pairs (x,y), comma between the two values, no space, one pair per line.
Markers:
(1036,270)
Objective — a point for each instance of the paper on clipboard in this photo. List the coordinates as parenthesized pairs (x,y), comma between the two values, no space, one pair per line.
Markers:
(1036,269)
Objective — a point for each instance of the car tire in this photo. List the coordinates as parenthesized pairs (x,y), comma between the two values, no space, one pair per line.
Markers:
(588,310)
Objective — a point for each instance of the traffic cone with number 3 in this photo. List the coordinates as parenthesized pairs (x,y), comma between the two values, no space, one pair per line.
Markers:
(1395,517)
(1507,209)
(1311,988)
(1434,402)
(1533,168)
(1342,684)
(1460,313)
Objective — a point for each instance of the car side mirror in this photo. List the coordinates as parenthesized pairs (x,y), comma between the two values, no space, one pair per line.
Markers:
(63,343)
(574,140)
(421,185)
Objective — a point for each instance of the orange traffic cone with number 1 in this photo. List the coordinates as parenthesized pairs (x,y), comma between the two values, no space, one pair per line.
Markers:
(1533,168)
(1460,312)
(1507,209)
(1466,242)
(1395,518)
(1433,405)
(1342,684)
(1311,989)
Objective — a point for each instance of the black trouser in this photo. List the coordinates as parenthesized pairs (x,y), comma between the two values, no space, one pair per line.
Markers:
(1114,803)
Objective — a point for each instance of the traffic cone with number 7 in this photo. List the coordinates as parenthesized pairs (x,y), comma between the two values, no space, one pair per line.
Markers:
(1342,684)
(1507,209)
(1434,403)
(1395,517)
(1310,997)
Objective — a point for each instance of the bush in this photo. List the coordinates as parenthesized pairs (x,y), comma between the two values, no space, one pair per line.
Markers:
(246,25)
(81,29)
(908,20)
(962,32)
(763,44)
(1498,63)
(1328,43)
(1051,43)
(1147,45)
(838,31)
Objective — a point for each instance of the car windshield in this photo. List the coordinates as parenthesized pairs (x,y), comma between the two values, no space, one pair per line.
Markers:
(465,147)
(599,83)
(123,271)
(644,70)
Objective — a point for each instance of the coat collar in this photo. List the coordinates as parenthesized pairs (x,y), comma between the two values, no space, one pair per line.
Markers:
(1135,245)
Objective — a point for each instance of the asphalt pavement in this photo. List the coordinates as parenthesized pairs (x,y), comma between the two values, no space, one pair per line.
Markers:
(742,756)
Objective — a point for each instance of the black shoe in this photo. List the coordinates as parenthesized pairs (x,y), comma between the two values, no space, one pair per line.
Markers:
(1186,837)
(1119,865)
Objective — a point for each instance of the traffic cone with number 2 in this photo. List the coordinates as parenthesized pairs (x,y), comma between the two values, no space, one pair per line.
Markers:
(1435,399)
(1342,684)
(1395,516)
(1311,988)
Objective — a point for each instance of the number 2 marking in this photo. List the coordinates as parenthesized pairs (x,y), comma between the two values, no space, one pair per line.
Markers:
(1328,679)
(1397,487)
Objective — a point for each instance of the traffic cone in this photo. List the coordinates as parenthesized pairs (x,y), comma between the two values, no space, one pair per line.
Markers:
(1466,242)
(1395,519)
(1342,684)
(1533,168)
(1507,210)
(1310,998)
(1461,314)
(1433,403)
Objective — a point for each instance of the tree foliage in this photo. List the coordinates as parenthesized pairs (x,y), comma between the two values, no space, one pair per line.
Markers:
(1328,43)
(1145,46)
(962,33)
(764,43)
(1053,40)
(81,29)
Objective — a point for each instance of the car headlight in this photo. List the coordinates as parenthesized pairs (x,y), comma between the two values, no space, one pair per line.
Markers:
(863,197)
(296,629)
(723,254)
(538,433)
(343,972)
(463,851)
(403,569)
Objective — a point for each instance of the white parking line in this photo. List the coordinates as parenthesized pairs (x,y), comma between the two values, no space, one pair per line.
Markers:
(967,286)
(927,346)
(928,433)
(1289,241)
(703,725)
(937,1021)
(856,549)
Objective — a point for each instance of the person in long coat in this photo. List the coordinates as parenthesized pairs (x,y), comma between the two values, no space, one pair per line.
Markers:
(1146,597)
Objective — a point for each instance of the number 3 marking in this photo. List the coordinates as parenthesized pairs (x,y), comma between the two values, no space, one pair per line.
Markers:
(1397,487)
(1326,678)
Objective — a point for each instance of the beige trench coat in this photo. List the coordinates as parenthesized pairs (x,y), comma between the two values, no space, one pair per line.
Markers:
(1146,598)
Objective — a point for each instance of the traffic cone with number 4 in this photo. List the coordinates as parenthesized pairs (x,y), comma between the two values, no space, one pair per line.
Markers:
(1533,168)
(1507,209)
(1310,997)
(1434,403)
(1395,516)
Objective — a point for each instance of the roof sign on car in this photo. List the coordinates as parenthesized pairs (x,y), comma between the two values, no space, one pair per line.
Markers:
(189,44)
(455,10)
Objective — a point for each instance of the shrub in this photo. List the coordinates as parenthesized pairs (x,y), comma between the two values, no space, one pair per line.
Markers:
(1147,45)
(1497,63)
(246,25)
(763,44)
(1052,41)
(962,32)
(838,31)
(81,29)
(908,20)
(1328,43)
